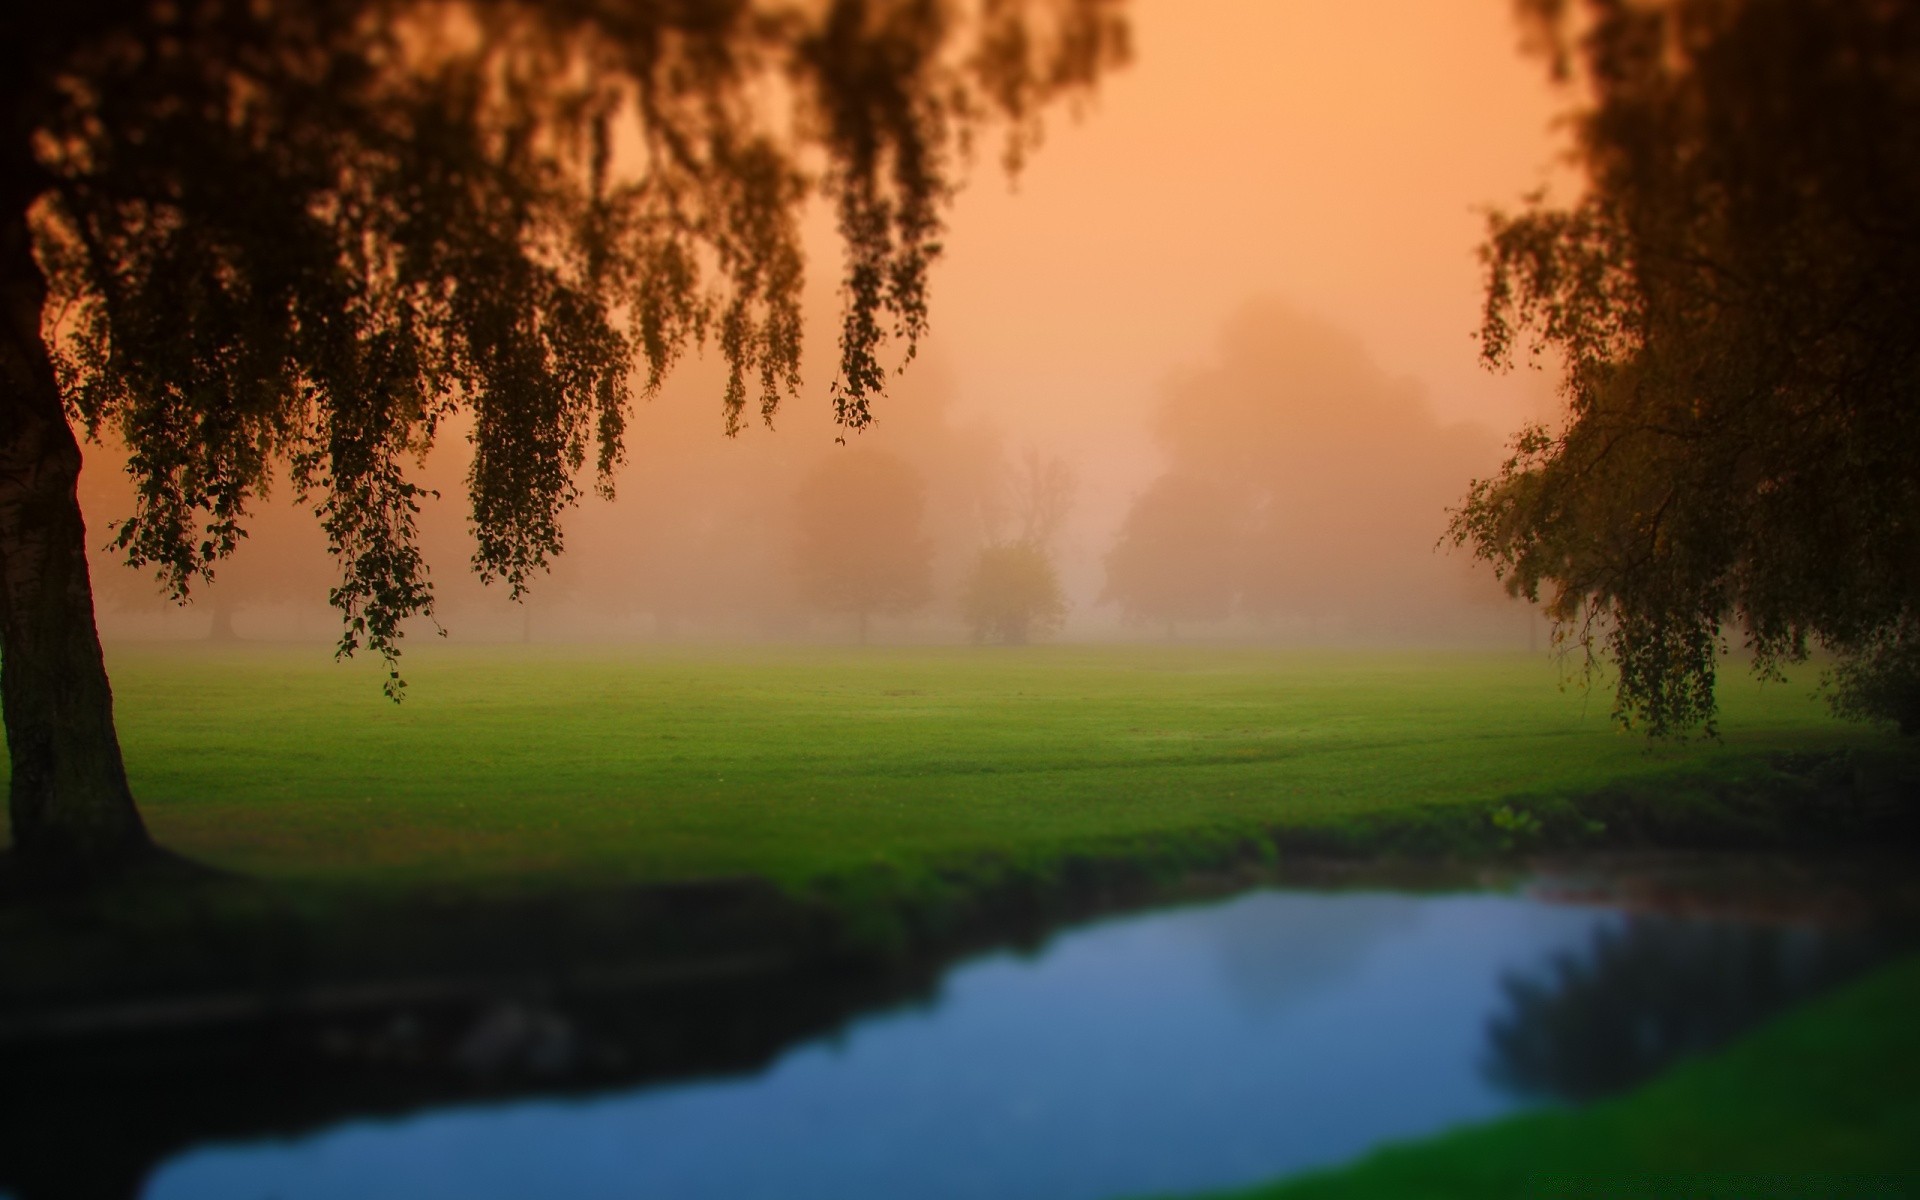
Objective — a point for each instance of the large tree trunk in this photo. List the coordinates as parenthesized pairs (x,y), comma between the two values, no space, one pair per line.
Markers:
(73,816)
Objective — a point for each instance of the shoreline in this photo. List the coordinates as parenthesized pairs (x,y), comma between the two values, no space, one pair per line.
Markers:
(182,1013)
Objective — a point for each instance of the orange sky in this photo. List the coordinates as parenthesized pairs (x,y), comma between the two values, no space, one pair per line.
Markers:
(1330,153)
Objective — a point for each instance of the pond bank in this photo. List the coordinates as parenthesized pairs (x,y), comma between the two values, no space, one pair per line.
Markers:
(145,943)
(1819,1105)
(226,990)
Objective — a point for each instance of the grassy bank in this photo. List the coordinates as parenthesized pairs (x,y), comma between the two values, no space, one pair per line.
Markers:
(589,765)
(529,805)
(724,831)
(1822,1103)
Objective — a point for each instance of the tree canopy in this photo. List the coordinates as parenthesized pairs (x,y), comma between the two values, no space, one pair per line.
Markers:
(1330,479)
(859,544)
(1181,551)
(310,233)
(1013,594)
(1736,301)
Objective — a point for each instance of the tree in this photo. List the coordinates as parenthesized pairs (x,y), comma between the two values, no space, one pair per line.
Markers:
(859,547)
(1034,496)
(1736,300)
(1180,553)
(1013,594)
(309,232)
(1013,591)
(1342,472)
(283,560)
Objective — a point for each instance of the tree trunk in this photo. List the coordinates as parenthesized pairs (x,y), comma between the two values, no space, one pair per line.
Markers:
(221,627)
(72,813)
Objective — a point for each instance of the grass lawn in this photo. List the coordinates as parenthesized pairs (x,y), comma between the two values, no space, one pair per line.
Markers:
(864,774)
(793,763)
(1822,1103)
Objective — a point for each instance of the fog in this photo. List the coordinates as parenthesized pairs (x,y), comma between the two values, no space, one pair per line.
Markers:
(1250,261)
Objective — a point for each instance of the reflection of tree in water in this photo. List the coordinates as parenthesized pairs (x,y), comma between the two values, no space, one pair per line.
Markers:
(1648,992)
(1278,948)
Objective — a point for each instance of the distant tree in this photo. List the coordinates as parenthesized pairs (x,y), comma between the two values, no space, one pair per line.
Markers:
(1013,594)
(309,231)
(1341,472)
(1180,554)
(1736,300)
(859,546)
(1035,497)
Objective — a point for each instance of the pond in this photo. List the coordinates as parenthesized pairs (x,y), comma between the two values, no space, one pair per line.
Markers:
(1188,1049)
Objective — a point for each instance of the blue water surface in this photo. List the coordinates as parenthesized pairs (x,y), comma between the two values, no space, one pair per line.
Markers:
(1197,1048)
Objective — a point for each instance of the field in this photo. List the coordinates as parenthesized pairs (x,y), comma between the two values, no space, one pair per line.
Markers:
(793,763)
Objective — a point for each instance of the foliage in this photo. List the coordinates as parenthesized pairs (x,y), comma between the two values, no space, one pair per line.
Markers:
(860,546)
(1736,301)
(1035,498)
(1339,473)
(1013,594)
(1180,552)
(1881,678)
(1517,826)
(314,231)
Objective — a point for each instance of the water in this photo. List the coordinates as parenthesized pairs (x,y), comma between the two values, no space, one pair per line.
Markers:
(1199,1048)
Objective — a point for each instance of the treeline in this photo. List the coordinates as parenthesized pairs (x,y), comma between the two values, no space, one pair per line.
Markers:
(1302,494)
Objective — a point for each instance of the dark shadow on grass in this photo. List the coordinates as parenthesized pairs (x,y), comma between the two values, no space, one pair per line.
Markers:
(154,868)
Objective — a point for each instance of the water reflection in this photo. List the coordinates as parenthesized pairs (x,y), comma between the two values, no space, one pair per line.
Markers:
(1272,956)
(1185,1050)
(1649,991)
(1179,1051)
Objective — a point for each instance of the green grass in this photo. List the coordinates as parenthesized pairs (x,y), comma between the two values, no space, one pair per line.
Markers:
(638,764)
(1822,1103)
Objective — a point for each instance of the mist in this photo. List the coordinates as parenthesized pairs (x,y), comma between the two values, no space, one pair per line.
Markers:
(1103,312)
(1329,481)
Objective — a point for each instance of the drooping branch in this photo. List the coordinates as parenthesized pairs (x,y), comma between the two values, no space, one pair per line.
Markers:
(307,234)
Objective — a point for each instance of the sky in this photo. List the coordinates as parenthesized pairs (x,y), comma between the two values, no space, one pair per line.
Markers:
(1337,156)
(1329,160)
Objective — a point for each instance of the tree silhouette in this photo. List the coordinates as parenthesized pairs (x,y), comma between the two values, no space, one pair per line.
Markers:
(309,232)
(1035,498)
(1013,594)
(1736,299)
(859,545)
(1180,553)
(1013,591)
(1649,992)
(1340,472)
